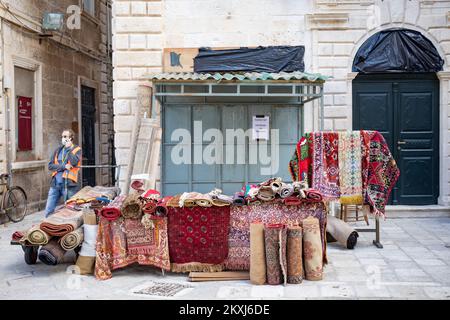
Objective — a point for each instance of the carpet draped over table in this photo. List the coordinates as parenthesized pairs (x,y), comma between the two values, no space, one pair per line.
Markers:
(198,238)
(112,250)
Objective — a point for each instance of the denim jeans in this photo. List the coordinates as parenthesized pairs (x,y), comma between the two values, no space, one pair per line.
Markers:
(55,193)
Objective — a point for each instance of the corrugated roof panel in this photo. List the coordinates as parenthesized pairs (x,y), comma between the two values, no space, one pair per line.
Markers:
(247,76)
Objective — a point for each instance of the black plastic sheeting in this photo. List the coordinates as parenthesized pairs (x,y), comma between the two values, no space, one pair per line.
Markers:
(397,50)
(260,59)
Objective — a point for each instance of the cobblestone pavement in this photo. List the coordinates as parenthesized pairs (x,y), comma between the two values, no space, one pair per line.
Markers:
(414,264)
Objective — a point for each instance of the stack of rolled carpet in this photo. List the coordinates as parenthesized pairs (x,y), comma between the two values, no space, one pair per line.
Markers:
(281,254)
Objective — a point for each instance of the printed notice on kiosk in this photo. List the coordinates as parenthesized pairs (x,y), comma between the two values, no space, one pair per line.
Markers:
(260,128)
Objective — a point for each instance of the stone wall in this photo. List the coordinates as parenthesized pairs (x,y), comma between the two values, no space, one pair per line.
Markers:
(62,63)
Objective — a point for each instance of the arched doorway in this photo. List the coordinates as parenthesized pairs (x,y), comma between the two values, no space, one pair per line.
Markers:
(397,93)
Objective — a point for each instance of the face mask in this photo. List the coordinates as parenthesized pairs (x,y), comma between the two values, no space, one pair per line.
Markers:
(64,141)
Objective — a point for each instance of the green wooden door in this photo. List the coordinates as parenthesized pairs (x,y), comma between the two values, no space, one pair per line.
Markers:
(229,176)
(405,109)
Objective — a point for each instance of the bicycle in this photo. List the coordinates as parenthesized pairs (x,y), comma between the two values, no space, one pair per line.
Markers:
(13,199)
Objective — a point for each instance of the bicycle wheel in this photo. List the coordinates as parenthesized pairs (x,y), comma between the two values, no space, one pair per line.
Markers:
(15,204)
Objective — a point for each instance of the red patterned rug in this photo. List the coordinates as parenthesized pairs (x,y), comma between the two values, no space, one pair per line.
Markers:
(198,234)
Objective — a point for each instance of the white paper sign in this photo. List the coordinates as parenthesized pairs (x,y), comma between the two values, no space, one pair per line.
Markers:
(260,127)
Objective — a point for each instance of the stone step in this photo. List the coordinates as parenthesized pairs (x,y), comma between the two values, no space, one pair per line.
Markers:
(430,211)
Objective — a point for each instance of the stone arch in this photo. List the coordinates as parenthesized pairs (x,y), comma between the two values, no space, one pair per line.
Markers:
(427,35)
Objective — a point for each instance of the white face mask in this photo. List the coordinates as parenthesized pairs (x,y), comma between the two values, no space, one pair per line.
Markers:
(64,141)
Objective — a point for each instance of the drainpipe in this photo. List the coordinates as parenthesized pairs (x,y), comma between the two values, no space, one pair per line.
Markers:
(7,132)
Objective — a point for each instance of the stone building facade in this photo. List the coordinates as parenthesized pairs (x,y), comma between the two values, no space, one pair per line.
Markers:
(55,70)
(331,30)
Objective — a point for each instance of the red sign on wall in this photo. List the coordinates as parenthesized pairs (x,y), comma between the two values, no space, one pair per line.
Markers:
(25,113)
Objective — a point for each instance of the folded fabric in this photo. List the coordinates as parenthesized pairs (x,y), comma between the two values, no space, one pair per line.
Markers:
(313,195)
(36,236)
(342,232)
(89,238)
(52,253)
(132,207)
(312,249)
(257,254)
(161,207)
(81,196)
(350,177)
(299,165)
(86,265)
(265,193)
(294,254)
(62,222)
(292,201)
(275,237)
(113,210)
(286,190)
(238,199)
(149,207)
(188,199)
(72,240)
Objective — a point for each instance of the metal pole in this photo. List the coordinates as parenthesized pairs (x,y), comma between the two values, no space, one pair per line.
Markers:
(322,115)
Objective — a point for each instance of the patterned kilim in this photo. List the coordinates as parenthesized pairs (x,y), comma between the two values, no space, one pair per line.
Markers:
(350,177)
(325,164)
(112,253)
(294,254)
(300,164)
(383,173)
(267,213)
(198,234)
(275,244)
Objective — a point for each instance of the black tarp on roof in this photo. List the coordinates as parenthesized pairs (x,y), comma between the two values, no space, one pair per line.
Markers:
(261,59)
(397,50)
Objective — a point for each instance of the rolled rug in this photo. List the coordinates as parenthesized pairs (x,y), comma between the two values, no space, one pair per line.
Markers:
(16,236)
(286,190)
(52,253)
(265,193)
(132,207)
(222,200)
(257,254)
(292,201)
(36,236)
(276,185)
(62,222)
(275,236)
(72,240)
(312,249)
(161,207)
(112,211)
(151,194)
(204,200)
(238,199)
(294,255)
(342,232)
(149,207)
(313,195)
